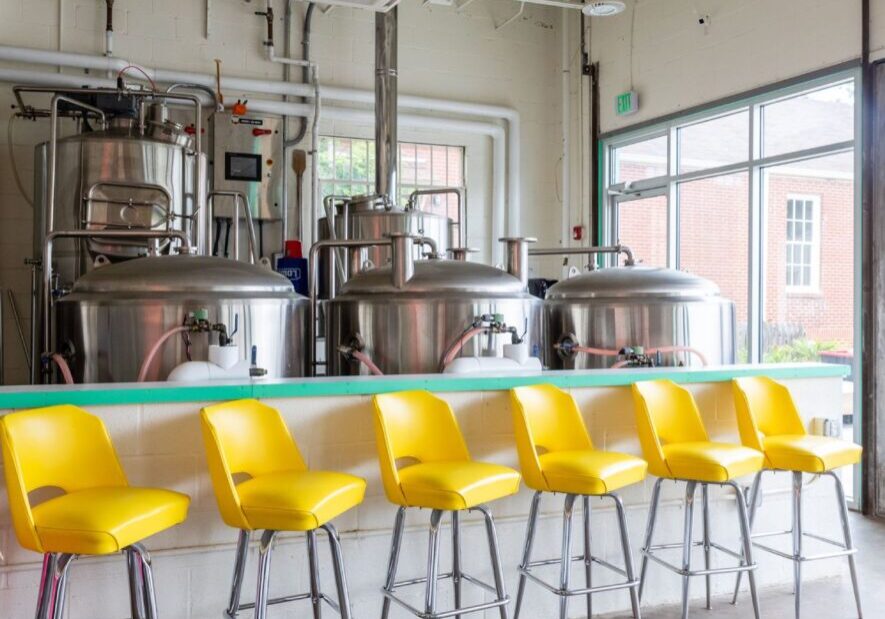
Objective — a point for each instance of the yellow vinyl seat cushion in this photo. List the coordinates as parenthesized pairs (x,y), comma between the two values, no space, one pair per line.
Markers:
(809,453)
(101,521)
(707,461)
(298,500)
(456,485)
(590,472)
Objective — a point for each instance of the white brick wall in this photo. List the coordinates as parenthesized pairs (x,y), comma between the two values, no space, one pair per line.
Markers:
(161,445)
(443,53)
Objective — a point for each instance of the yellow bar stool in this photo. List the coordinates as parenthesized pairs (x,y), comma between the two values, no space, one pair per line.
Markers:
(248,439)
(677,447)
(770,422)
(557,455)
(65,451)
(425,463)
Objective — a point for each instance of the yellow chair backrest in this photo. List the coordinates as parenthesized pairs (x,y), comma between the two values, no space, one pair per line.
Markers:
(56,447)
(764,408)
(418,427)
(666,414)
(545,419)
(245,437)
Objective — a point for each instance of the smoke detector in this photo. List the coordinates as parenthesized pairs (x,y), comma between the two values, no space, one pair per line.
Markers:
(605,8)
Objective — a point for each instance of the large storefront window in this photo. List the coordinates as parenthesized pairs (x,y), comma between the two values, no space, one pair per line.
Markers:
(760,197)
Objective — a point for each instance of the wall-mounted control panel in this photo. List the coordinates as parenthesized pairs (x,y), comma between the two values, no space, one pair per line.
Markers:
(247,156)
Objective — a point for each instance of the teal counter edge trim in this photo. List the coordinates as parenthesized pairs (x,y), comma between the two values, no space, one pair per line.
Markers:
(108,395)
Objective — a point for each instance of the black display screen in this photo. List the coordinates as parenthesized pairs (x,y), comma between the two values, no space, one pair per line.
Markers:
(242,167)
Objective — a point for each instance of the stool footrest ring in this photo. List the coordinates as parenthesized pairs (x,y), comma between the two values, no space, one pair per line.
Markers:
(298,597)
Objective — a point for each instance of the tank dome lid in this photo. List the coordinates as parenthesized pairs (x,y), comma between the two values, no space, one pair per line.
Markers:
(163,275)
(633,282)
(433,277)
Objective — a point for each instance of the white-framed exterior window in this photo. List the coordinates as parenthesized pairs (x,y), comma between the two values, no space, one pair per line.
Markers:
(803,243)
(347,167)
(727,173)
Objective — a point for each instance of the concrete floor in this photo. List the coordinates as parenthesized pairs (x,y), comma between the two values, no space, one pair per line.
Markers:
(821,599)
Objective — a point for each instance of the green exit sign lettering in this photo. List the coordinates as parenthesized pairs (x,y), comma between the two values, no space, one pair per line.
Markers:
(627,103)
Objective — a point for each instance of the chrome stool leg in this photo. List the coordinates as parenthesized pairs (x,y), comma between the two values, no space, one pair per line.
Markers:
(265,550)
(432,563)
(136,587)
(495,555)
(846,533)
(313,558)
(395,545)
(747,545)
(797,541)
(686,545)
(45,589)
(752,500)
(705,491)
(588,555)
(456,559)
(527,552)
(628,556)
(344,606)
(565,566)
(146,575)
(59,584)
(239,570)
(649,532)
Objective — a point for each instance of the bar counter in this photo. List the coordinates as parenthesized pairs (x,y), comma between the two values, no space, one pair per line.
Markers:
(156,430)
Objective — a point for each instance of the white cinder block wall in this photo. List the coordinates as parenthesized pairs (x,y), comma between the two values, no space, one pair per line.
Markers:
(160,445)
(443,53)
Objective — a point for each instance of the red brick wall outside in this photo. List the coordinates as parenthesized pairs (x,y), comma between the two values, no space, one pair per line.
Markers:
(714,229)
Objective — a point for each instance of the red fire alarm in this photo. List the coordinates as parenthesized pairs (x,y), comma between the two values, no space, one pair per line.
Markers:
(578,233)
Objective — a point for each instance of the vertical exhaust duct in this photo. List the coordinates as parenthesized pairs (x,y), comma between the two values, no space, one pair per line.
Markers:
(386,185)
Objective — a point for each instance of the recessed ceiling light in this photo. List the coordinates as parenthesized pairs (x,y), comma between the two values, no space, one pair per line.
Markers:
(604,8)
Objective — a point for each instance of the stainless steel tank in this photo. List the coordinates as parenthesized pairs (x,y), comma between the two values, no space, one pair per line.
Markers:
(637,306)
(406,316)
(114,315)
(116,179)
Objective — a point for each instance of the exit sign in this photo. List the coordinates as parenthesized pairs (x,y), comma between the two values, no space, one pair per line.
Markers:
(627,103)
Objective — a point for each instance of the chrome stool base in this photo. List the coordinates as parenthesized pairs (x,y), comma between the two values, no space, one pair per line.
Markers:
(745,556)
(798,535)
(566,559)
(317,597)
(433,577)
(54,580)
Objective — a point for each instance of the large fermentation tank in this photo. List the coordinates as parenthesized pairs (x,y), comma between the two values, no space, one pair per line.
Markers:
(114,315)
(405,325)
(638,306)
(116,179)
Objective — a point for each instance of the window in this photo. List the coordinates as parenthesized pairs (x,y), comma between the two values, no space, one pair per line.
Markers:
(761,197)
(803,243)
(347,168)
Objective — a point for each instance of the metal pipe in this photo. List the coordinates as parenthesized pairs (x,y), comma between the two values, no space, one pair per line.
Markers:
(210,91)
(16,317)
(241,200)
(402,259)
(587,251)
(88,234)
(313,284)
(517,257)
(436,191)
(386,145)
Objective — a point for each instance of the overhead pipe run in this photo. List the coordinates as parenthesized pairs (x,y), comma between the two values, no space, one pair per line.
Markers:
(386,144)
(425,104)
